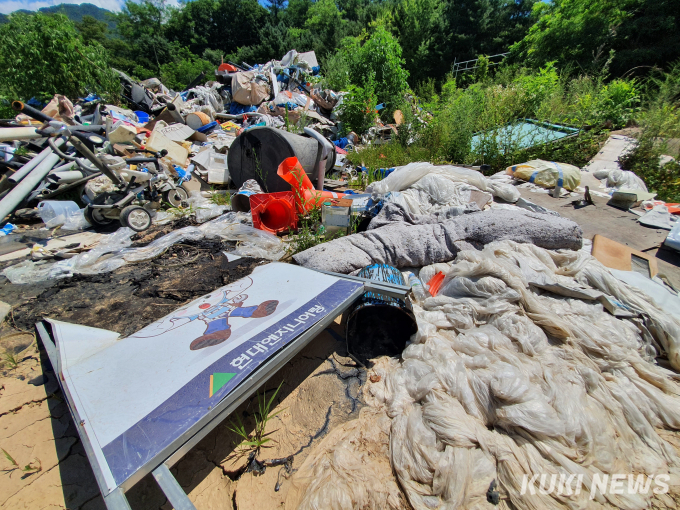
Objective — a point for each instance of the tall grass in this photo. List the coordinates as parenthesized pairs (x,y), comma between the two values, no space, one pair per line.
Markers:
(488,107)
(659,134)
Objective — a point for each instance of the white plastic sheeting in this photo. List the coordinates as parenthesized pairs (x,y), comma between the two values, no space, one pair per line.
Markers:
(504,382)
(114,251)
(620,180)
(406,176)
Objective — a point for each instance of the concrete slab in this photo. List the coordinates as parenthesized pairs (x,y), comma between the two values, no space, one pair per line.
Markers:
(618,225)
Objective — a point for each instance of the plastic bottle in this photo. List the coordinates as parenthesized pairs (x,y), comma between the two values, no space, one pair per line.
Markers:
(417,287)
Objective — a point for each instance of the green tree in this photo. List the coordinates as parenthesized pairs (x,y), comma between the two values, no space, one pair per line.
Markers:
(143,47)
(43,55)
(420,28)
(576,32)
(483,27)
(295,14)
(91,29)
(186,66)
(325,22)
(377,58)
(582,34)
(224,25)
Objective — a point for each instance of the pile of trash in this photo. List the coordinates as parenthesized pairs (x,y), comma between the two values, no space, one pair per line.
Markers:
(519,389)
(88,163)
(531,361)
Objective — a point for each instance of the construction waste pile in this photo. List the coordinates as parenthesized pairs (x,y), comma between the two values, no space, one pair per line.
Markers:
(522,371)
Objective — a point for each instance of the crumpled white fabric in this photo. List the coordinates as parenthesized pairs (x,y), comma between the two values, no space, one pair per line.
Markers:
(503,381)
(406,176)
(435,193)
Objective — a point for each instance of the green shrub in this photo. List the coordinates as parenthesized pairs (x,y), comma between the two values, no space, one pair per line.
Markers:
(336,71)
(618,102)
(659,123)
(377,58)
(389,155)
(358,108)
(43,55)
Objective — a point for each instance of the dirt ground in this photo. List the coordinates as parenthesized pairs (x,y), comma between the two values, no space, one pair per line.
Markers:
(320,389)
(321,386)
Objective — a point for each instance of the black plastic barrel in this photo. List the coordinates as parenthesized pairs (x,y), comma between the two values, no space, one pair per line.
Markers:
(258,152)
(379,325)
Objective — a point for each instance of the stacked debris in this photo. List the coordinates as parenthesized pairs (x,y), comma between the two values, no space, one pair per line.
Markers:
(516,354)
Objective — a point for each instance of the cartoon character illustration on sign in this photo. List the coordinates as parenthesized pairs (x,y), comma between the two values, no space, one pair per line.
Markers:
(214,310)
(216,316)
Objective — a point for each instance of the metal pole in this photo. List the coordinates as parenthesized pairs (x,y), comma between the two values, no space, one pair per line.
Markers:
(23,171)
(21,191)
(172,489)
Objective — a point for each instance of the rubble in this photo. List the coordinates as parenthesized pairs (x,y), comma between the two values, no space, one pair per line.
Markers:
(520,350)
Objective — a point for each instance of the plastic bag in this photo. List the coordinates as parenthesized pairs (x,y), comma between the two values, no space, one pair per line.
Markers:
(547,174)
(76,221)
(113,250)
(204,208)
(623,179)
(673,238)
(32,272)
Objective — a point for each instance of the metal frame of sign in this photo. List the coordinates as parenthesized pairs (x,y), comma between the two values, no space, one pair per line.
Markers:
(159,465)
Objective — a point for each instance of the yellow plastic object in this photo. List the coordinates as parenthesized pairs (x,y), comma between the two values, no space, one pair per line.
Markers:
(547,174)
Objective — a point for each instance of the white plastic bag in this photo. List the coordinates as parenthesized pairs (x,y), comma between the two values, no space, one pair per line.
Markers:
(673,238)
(205,209)
(623,179)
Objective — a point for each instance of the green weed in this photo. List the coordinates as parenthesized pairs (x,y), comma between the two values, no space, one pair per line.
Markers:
(253,443)
(34,466)
(180,212)
(10,360)
(220,198)
(261,178)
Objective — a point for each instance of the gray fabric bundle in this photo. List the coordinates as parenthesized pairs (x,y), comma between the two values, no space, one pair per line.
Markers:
(405,245)
(395,212)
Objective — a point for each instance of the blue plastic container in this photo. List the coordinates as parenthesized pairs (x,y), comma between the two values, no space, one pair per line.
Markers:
(142,116)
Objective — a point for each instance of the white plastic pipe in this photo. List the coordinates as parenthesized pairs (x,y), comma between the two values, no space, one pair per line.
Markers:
(21,191)
(65,176)
(23,171)
(18,133)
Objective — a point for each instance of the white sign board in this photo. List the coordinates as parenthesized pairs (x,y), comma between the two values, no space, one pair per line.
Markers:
(136,395)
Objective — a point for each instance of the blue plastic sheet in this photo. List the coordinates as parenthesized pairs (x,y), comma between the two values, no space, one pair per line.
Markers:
(239,109)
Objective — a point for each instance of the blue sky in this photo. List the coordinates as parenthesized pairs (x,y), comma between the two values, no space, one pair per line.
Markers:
(7,6)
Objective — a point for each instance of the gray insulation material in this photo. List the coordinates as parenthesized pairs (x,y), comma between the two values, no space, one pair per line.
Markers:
(405,245)
(394,212)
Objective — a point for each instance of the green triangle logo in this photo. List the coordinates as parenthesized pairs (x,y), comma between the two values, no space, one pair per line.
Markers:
(218,380)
